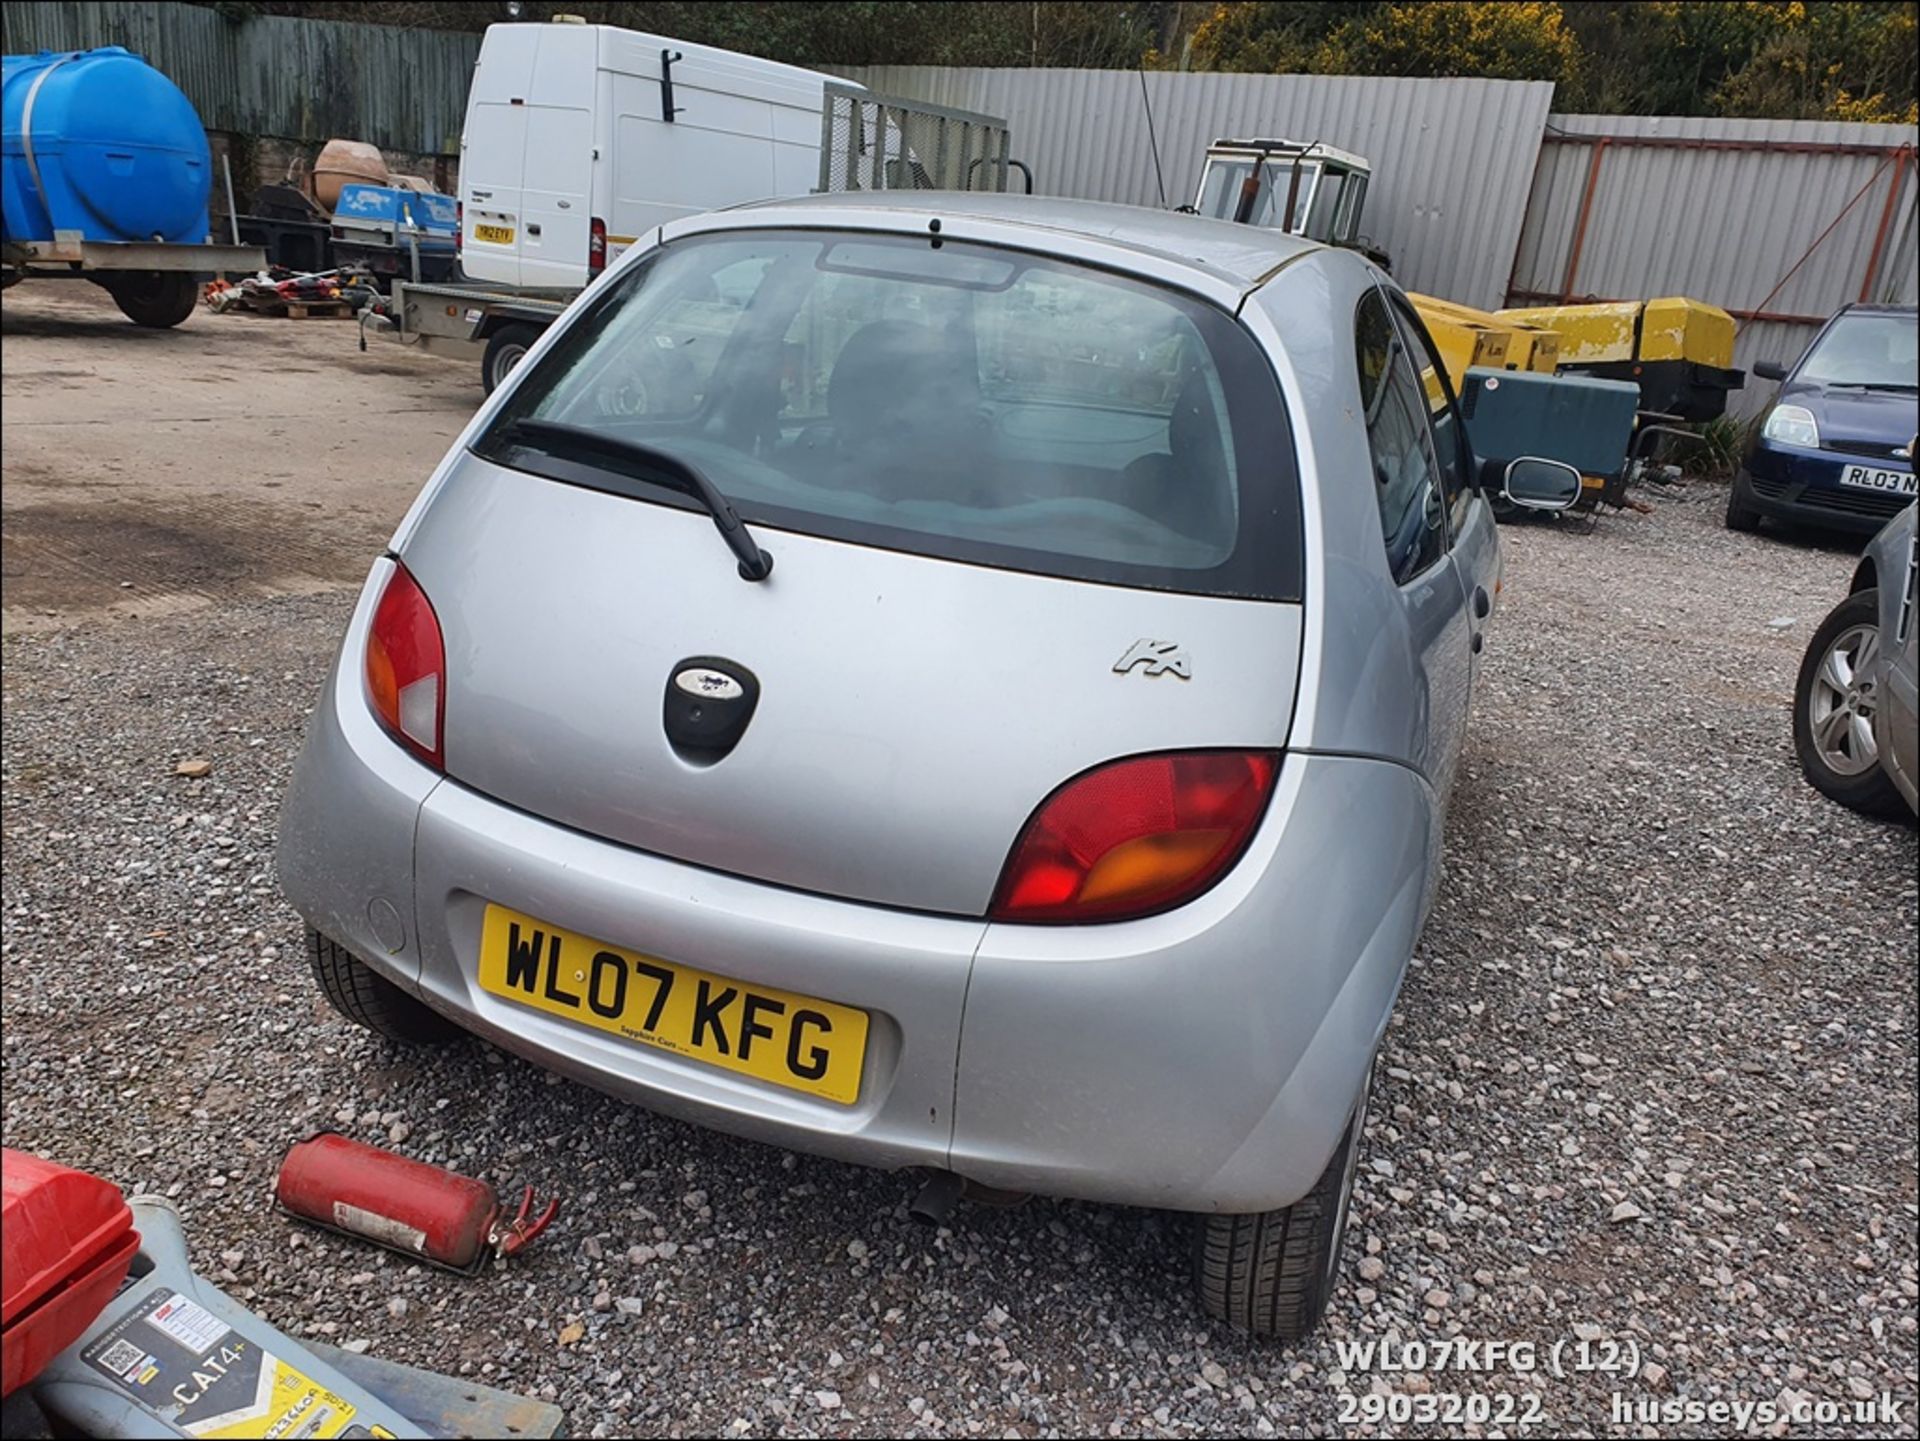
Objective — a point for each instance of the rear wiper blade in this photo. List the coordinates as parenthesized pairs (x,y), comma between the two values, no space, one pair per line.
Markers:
(661,465)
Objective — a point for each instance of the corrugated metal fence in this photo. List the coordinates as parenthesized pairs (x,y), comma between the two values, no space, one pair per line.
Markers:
(296,79)
(1779,222)
(1452,158)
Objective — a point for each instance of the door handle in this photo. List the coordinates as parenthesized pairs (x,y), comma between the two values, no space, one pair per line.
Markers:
(1478,641)
(1482,603)
(533,230)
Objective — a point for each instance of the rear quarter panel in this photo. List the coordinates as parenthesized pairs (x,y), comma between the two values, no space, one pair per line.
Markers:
(1360,686)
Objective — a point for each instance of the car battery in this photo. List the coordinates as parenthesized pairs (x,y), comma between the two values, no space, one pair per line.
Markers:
(68,1238)
(172,1355)
(1581,420)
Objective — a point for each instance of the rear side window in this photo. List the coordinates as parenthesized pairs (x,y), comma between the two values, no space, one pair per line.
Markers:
(1448,437)
(965,402)
(1406,476)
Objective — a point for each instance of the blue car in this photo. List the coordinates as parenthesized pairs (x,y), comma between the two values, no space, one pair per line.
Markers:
(1836,450)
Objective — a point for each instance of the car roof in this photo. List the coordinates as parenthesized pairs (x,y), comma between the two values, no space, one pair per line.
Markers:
(1242,254)
(1878,308)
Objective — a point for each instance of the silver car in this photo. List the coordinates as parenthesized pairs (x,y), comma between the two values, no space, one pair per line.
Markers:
(1854,711)
(953,682)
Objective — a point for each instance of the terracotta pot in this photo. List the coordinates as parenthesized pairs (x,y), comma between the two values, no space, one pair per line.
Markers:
(346,162)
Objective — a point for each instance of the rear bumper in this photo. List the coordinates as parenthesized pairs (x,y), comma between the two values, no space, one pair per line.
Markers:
(1204,1059)
(1803,487)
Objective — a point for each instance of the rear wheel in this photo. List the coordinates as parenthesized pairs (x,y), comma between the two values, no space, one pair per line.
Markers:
(157,299)
(1271,1273)
(1740,515)
(506,348)
(1833,709)
(369,999)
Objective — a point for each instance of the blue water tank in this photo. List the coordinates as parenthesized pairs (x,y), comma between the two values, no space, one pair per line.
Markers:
(100,142)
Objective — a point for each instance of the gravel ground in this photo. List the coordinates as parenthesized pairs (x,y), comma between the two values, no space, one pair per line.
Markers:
(1652,1078)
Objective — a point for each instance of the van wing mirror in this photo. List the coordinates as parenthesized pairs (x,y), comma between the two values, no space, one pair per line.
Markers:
(1769,370)
(1536,483)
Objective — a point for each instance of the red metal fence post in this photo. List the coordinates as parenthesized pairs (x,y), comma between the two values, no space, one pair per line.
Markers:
(1886,224)
(1586,213)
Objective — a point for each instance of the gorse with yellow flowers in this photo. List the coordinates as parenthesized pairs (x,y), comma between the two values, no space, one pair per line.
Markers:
(1843,60)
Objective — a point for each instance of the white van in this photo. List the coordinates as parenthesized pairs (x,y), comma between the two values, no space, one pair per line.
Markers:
(579,138)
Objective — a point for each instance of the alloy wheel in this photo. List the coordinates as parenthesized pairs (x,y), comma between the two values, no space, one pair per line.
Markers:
(1840,703)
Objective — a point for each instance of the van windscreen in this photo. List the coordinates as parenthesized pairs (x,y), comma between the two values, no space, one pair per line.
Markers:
(961,401)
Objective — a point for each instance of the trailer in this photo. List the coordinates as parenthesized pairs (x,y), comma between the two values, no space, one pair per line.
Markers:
(496,323)
(155,284)
(393,233)
(105,172)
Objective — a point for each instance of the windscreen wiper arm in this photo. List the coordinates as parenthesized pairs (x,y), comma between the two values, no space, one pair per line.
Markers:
(660,465)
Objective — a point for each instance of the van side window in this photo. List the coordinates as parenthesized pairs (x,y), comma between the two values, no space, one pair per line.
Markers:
(1406,476)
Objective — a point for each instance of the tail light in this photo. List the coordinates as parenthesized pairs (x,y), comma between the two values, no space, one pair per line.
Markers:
(459,227)
(407,668)
(596,246)
(1136,836)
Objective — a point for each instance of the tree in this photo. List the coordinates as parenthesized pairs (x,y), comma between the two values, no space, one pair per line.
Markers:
(1846,60)
(1271,38)
(1515,40)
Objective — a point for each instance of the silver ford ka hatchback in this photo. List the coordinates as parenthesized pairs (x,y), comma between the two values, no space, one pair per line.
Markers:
(954,682)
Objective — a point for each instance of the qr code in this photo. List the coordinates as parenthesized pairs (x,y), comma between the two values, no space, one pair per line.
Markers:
(121,1357)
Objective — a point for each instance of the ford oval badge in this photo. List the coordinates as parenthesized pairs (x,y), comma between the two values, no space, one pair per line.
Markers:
(699,680)
(709,701)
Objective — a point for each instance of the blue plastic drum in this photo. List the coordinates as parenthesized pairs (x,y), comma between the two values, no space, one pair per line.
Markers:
(98,141)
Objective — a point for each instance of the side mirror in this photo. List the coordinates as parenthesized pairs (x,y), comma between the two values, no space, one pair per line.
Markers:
(1769,370)
(1539,484)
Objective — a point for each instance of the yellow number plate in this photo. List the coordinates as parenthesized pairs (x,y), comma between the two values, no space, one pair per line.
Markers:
(774,1036)
(494,234)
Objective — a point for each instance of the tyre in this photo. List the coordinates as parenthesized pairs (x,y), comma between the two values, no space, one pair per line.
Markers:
(1740,515)
(369,999)
(506,348)
(1833,705)
(157,299)
(1271,1273)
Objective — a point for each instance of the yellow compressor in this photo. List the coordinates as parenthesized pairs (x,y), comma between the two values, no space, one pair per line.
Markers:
(1678,351)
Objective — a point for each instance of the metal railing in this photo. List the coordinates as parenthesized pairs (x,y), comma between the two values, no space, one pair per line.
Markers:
(880,142)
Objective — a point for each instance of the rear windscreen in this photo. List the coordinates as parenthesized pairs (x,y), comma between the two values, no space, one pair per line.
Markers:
(948,399)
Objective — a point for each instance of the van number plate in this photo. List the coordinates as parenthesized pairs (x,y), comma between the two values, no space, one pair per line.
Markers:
(1897,482)
(494,234)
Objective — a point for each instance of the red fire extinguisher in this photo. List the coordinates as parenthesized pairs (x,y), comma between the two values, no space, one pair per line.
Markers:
(417,1209)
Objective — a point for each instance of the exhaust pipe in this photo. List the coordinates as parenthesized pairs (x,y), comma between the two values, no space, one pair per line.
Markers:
(936,1199)
(943,1190)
